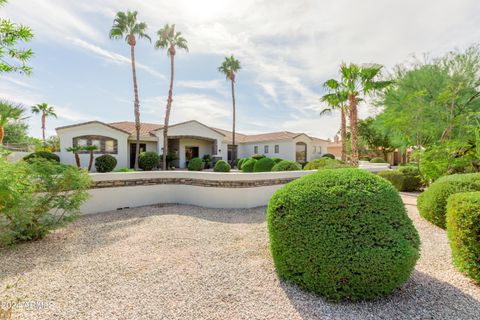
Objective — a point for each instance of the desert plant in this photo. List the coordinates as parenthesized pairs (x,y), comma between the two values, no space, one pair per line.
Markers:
(328,155)
(45,111)
(377,160)
(396,178)
(432,202)
(248,165)
(195,164)
(42,154)
(287,165)
(105,163)
(343,234)
(325,163)
(148,160)
(258,156)
(263,165)
(221,166)
(463,228)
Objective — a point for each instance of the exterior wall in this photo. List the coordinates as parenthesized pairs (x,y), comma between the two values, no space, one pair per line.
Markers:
(66,140)
(204,147)
(149,145)
(286,149)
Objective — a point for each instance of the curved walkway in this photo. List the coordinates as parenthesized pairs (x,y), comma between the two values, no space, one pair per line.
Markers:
(184,262)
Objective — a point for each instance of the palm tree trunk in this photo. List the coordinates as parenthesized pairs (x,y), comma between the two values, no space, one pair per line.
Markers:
(77,159)
(353,130)
(234,150)
(43,129)
(136,107)
(343,133)
(2,134)
(90,162)
(167,113)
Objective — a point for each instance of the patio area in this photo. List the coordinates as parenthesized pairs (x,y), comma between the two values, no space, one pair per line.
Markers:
(186,262)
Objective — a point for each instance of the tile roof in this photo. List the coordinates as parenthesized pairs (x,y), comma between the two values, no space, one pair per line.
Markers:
(145,128)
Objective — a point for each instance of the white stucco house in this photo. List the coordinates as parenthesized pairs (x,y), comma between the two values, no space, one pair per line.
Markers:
(186,140)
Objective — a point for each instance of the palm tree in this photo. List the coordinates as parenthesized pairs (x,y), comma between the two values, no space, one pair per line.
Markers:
(9,112)
(75,151)
(336,100)
(356,81)
(170,40)
(90,150)
(229,68)
(125,25)
(46,111)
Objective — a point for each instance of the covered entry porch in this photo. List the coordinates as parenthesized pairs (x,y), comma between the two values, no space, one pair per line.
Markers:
(186,147)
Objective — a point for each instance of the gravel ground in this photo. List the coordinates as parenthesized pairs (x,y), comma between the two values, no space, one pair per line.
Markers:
(183,262)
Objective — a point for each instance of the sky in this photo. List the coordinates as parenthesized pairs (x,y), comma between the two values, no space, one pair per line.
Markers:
(287,50)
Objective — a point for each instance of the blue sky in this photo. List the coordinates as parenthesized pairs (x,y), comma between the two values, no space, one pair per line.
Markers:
(287,50)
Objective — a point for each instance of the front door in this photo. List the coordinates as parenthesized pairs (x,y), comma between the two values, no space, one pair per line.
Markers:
(133,148)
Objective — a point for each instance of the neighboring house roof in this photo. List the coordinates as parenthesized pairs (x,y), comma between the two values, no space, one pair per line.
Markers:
(92,122)
(146,129)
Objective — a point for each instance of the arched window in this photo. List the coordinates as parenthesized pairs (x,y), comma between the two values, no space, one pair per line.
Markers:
(301,152)
(104,144)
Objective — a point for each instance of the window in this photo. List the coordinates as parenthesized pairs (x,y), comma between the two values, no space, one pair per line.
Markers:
(265,149)
(97,143)
(82,142)
(109,145)
(104,144)
(319,149)
(277,148)
(301,152)
(255,149)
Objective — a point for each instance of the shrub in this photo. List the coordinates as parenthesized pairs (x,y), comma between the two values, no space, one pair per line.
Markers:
(343,234)
(433,201)
(365,159)
(377,160)
(412,180)
(148,160)
(277,160)
(207,160)
(221,166)
(287,165)
(42,154)
(248,165)
(240,162)
(328,155)
(463,226)
(396,178)
(258,156)
(195,164)
(263,165)
(38,196)
(105,163)
(124,170)
(325,163)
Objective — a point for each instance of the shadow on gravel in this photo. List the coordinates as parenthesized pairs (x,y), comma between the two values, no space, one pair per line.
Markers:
(422,297)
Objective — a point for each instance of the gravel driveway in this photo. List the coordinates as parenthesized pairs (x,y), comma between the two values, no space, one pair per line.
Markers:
(184,262)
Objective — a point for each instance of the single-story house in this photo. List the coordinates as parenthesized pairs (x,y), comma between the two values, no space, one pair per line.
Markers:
(186,140)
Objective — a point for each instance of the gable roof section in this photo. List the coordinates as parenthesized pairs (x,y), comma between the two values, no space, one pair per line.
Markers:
(198,122)
(92,122)
(146,129)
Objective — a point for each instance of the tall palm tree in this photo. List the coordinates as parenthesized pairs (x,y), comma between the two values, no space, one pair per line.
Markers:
(125,25)
(357,81)
(9,112)
(336,100)
(170,40)
(229,68)
(46,111)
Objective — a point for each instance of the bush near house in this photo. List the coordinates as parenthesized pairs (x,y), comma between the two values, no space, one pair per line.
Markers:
(277,160)
(263,165)
(105,163)
(432,202)
(396,178)
(240,162)
(195,164)
(221,166)
(463,228)
(412,178)
(343,234)
(248,165)
(148,160)
(325,163)
(287,165)
(377,160)
(328,155)
(42,154)
(258,156)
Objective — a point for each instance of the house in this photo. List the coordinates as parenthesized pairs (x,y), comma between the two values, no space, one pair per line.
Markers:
(186,140)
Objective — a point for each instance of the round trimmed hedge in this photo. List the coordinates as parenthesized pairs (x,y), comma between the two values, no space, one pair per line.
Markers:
(396,178)
(377,160)
(287,165)
(277,160)
(148,160)
(248,165)
(463,226)
(42,154)
(263,165)
(432,203)
(240,162)
(325,163)
(105,163)
(412,180)
(195,164)
(221,166)
(328,155)
(258,156)
(343,234)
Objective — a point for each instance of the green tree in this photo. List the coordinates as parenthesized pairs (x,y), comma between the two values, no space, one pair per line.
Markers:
(76,150)
(125,25)
(45,111)
(170,40)
(229,68)
(9,112)
(15,132)
(13,58)
(374,138)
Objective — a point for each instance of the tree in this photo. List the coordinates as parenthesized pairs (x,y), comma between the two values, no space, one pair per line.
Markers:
(125,25)
(75,150)
(229,68)
(9,112)
(90,150)
(12,58)
(336,100)
(46,111)
(374,138)
(170,40)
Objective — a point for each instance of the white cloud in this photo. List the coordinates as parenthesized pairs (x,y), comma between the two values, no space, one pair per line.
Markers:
(200,84)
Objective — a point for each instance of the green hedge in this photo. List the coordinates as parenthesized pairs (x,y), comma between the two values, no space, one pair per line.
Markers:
(240,162)
(105,163)
(377,160)
(258,156)
(463,226)
(325,163)
(248,165)
(148,160)
(343,234)
(221,166)
(42,154)
(277,160)
(328,155)
(263,165)
(396,178)
(412,178)
(195,164)
(433,201)
(287,165)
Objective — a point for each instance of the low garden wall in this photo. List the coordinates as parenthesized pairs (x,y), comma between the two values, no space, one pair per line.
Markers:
(112,191)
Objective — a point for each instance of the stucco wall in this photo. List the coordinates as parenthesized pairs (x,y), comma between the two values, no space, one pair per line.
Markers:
(285,149)
(149,145)
(204,147)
